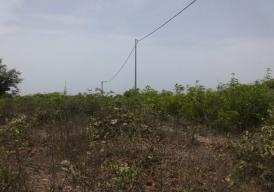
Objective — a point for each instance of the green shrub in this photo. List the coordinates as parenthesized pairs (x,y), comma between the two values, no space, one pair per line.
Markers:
(256,154)
(114,123)
(227,121)
(252,103)
(14,139)
(231,107)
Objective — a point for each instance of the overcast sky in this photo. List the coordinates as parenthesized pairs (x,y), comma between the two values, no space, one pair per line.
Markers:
(85,41)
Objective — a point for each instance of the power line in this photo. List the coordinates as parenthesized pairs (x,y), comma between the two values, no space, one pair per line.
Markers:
(141,39)
(165,23)
(122,66)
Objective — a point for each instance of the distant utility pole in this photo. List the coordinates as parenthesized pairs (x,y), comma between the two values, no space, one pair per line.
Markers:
(135,83)
(102,86)
(65,89)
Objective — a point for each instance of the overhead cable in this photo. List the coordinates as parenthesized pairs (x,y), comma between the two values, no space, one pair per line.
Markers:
(122,66)
(165,23)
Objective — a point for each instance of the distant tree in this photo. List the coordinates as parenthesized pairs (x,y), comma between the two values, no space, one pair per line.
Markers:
(268,74)
(9,79)
(179,89)
(268,80)
(234,81)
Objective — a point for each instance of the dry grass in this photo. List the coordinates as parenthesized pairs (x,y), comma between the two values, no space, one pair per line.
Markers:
(62,157)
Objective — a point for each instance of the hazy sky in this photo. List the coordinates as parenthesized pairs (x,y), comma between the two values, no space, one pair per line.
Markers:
(85,41)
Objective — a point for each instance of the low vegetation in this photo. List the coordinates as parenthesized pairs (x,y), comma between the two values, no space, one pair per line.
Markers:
(190,139)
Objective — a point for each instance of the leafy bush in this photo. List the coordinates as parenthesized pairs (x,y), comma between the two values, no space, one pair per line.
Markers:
(231,107)
(252,102)
(113,123)
(227,120)
(14,140)
(256,153)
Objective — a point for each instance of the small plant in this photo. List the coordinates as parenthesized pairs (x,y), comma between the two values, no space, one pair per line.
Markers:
(124,175)
(70,170)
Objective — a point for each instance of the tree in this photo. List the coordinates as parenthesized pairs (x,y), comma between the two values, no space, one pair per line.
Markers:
(268,80)
(268,74)
(8,80)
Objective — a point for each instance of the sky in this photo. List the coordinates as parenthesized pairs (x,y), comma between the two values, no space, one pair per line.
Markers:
(82,42)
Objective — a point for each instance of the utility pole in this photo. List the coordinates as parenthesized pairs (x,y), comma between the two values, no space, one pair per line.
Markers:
(65,89)
(102,86)
(135,82)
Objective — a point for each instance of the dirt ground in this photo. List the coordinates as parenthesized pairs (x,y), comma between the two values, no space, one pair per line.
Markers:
(170,162)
